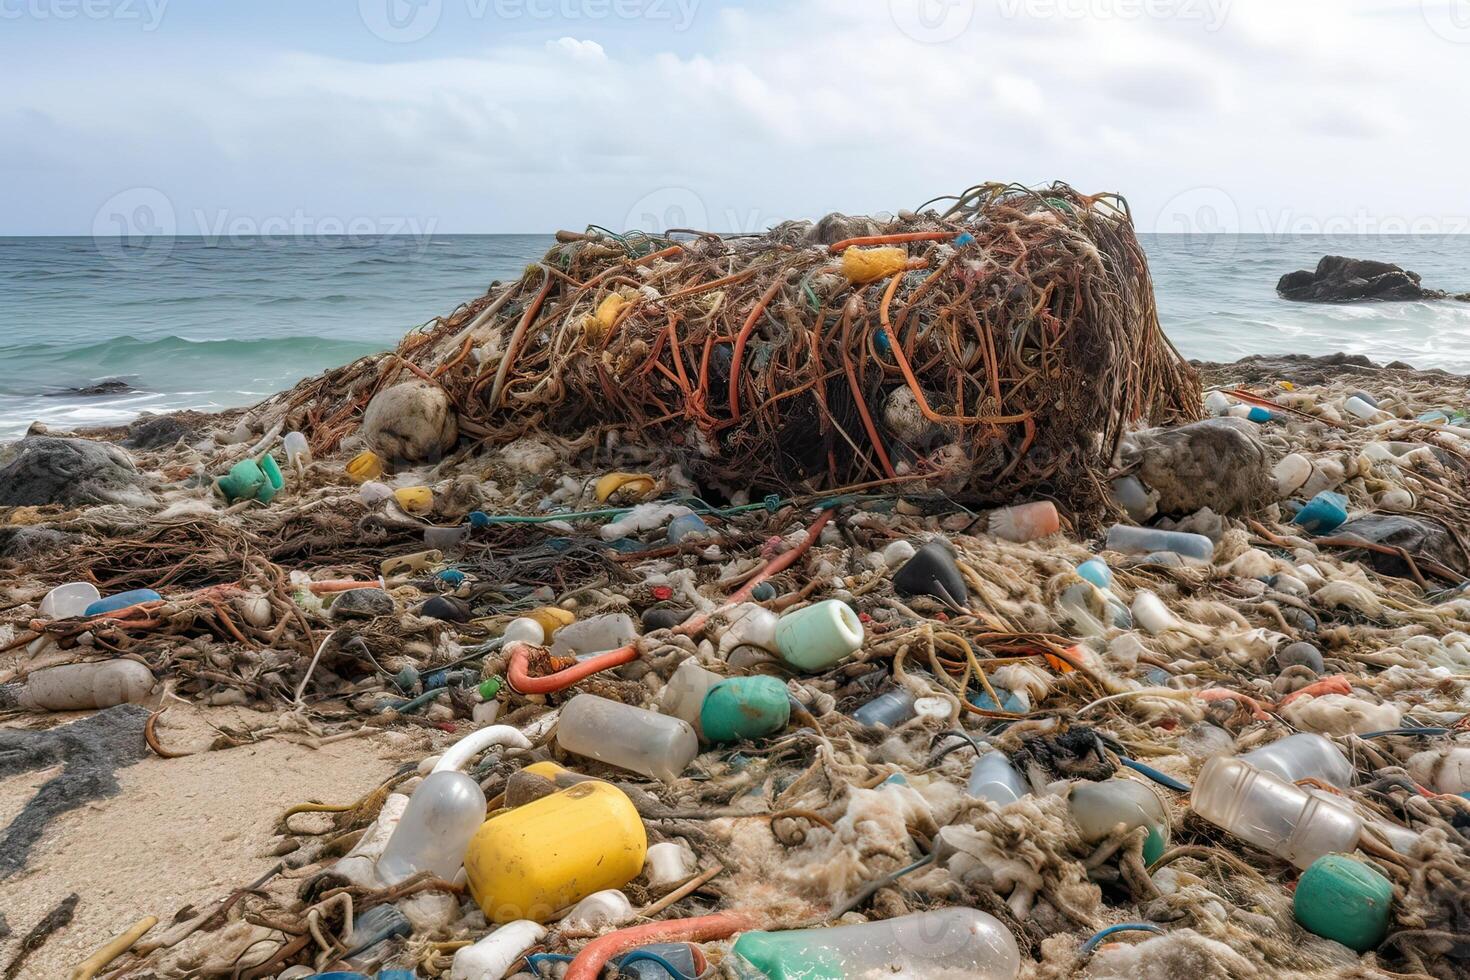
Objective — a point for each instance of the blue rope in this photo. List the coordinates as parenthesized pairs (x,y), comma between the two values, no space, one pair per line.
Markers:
(1096,940)
(1163,779)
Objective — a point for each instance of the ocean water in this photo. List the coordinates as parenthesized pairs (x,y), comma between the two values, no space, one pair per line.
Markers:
(192,323)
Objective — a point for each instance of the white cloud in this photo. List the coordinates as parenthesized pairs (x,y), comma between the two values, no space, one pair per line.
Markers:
(777,112)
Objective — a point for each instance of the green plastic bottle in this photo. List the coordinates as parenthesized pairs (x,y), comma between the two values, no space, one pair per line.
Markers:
(744,707)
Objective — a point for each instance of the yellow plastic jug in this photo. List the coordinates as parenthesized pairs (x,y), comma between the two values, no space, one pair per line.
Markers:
(544,856)
(551,619)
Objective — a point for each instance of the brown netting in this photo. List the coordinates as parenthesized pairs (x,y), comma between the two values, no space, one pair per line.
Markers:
(1004,348)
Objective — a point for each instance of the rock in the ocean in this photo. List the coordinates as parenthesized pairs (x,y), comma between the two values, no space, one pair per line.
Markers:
(1338,279)
(1218,463)
(410,422)
(41,470)
(362,604)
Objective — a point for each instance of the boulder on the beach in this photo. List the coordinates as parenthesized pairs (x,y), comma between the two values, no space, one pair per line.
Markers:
(1412,534)
(1218,463)
(40,470)
(156,432)
(411,422)
(1338,279)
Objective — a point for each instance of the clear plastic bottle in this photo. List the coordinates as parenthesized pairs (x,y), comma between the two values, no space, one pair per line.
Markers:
(596,635)
(71,599)
(996,780)
(938,944)
(1300,756)
(886,710)
(1267,812)
(1147,540)
(1130,494)
(442,816)
(1100,807)
(77,687)
(630,738)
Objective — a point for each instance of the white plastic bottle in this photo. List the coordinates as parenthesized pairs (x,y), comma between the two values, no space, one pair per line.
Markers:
(683,696)
(596,635)
(658,746)
(492,957)
(1272,814)
(443,814)
(996,780)
(77,687)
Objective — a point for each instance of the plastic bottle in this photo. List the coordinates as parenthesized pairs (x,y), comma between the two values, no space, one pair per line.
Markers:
(71,599)
(1301,756)
(1096,571)
(122,600)
(683,696)
(886,710)
(553,852)
(1289,474)
(740,708)
(942,942)
(1360,408)
(630,738)
(1130,540)
(1266,811)
(1130,494)
(1025,522)
(994,778)
(443,814)
(492,957)
(1098,808)
(690,526)
(595,635)
(77,687)
(1218,403)
(298,450)
(820,636)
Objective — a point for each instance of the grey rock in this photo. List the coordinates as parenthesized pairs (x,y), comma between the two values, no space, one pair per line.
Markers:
(1338,279)
(411,422)
(40,470)
(362,604)
(157,432)
(1218,463)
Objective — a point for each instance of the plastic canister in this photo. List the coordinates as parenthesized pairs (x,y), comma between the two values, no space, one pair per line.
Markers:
(1272,814)
(1026,522)
(956,941)
(121,601)
(683,696)
(744,707)
(1301,756)
(76,687)
(554,852)
(886,710)
(818,637)
(1289,474)
(1323,513)
(595,634)
(1098,808)
(366,466)
(1342,899)
(298,450)
(630,738)
(492,957)
(71,599)
(415,500)
(996,780)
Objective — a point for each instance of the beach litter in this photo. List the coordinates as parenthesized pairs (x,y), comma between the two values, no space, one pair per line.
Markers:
(861,599)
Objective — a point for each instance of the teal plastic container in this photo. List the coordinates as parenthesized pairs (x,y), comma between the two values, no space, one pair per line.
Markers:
(1342,899)
(1324,513)
(739,708)
(252,479)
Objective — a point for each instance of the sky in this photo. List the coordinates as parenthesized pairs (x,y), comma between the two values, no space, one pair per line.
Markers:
(503,116)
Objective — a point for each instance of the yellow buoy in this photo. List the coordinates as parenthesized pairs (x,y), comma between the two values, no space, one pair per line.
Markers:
(415,500)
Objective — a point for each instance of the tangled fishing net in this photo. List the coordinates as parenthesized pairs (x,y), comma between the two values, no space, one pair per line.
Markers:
(1003,344)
